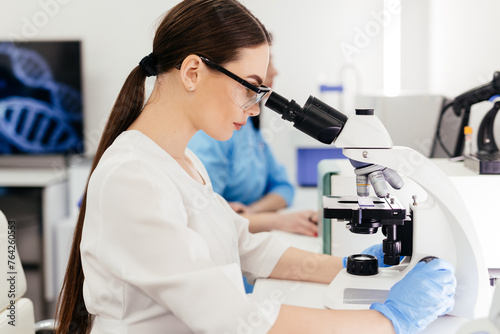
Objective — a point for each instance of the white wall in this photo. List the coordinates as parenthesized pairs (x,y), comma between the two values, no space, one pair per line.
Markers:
(464,44)
(117,34)
(448,46)
(415,56)
(313,42)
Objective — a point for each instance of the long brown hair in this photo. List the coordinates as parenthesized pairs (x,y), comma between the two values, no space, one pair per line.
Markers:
(216,29)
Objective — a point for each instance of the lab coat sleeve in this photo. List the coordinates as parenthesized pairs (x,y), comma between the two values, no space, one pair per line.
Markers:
(214,156)
(146,243)
(277,179)
(259,252)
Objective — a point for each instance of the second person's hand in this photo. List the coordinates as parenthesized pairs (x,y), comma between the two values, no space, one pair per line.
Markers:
(300,222)
(239,207)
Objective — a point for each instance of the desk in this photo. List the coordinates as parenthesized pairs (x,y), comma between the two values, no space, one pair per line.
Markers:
(53,185)
(311,295)
(307,294)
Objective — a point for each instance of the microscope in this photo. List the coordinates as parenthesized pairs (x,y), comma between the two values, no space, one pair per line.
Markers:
(438,227)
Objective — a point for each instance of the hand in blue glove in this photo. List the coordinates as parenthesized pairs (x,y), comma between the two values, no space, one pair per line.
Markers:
(425,293)
(375,250)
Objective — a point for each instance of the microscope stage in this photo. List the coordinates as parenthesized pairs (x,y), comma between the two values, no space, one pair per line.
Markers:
(347,207)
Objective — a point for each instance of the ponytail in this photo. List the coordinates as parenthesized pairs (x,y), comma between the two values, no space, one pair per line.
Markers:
(217,29)
(71,314)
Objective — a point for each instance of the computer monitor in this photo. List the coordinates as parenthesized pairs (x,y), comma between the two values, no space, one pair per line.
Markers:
(41,104)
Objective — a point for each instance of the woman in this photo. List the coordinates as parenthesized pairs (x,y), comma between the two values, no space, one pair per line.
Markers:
(245,172)
(155,250)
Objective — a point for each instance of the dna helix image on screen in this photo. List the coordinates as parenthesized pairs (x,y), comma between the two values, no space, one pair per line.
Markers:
(41,109)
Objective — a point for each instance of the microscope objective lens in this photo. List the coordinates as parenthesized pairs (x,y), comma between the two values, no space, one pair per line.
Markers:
(362,184)
(377,180)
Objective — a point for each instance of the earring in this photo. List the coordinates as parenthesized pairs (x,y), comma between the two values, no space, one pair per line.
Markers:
(191,89)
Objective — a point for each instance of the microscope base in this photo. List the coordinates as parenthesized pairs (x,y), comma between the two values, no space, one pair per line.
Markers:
(351,292)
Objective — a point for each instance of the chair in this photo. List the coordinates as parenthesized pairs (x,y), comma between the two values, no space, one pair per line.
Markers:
(16,313)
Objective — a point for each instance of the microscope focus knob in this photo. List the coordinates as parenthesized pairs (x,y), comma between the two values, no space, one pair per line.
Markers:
(392,251)
(362,265)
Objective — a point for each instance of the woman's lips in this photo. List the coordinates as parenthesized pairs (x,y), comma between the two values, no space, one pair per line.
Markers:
(238,125)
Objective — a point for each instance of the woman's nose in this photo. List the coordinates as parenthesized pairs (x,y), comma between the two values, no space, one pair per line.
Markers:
(253,110)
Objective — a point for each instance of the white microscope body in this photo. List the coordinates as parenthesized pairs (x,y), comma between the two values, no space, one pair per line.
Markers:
(489,325)
(442,227)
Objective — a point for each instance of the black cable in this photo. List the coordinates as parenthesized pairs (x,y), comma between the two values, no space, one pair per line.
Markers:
(437,136)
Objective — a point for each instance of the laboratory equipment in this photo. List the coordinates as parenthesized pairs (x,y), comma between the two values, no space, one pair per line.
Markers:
(487,158)
(440,226)
(331,94)
(465,100)
(468,141)
(461,106)
(410,118)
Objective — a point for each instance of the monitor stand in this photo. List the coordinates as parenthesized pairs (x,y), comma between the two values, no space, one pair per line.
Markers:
(33,161)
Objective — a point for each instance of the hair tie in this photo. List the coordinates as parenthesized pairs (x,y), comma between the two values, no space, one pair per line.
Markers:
(148,65)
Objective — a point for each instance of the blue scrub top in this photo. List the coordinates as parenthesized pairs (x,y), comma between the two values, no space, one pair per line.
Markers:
(243,168)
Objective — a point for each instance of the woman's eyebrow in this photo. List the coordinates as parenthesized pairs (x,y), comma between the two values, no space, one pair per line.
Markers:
(256,78)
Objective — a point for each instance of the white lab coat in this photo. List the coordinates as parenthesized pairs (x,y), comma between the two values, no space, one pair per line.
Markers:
(162,253)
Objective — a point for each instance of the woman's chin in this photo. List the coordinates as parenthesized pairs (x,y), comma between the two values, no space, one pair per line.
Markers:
(223,136)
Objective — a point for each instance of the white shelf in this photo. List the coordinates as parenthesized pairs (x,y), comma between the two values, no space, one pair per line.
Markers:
(31,177)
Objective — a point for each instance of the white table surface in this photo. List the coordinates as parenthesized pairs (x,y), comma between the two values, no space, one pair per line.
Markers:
(307,294)
(32,177)
(311,295)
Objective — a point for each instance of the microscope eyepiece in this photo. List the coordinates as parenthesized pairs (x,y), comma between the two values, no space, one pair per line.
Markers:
(277,103)
(316,118)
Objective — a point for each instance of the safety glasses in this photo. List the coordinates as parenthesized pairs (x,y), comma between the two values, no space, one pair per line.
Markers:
(252,93)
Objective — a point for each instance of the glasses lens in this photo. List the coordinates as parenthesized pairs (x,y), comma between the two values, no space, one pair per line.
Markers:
(247,98)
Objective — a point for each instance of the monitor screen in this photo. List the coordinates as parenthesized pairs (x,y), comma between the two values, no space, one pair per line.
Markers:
(41,109)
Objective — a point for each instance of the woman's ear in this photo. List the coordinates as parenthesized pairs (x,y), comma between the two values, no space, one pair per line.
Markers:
(190,72)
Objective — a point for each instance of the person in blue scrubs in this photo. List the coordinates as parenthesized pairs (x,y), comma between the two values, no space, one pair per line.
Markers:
(245,172)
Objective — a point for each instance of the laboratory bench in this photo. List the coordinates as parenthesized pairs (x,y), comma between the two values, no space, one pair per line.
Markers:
(51,194)
(309,294)
(475,190)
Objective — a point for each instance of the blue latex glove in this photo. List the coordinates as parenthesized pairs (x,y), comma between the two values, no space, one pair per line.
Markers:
(425,293)
(375,250)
